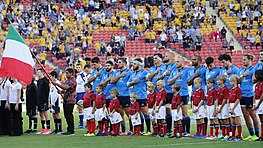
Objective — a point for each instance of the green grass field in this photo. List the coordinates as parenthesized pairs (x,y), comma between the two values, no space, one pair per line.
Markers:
(78,140)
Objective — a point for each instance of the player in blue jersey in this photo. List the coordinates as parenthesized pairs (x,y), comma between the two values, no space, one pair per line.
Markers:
(138,82)
(180,76)
(97,73)
(227,68)
(156,71)
(212,71)
(81,79)
(169,68)
(198,71)
(246,102)
(120,79)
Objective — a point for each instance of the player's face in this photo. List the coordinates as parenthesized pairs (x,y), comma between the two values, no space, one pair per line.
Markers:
(219,82)
(68,74)
(232,83)
(95,65)
(79,69)
(108,67)
(87,89)
(120,64)
(261,56)
(98,90)
(113,94)
(133,99)
(210,66)
(135,66)
(245,61)
(223,63)
(209,85)
(40,73)
(87,70)
(156,61)
(160,87)
(52,78)
(194,61)
(166,58)
(178,63)
(197,85)
(150,88)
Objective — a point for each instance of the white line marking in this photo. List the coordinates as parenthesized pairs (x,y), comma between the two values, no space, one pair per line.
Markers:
(178,144)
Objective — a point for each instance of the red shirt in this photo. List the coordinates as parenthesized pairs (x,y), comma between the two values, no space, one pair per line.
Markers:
(211,97)
(160,96)
(150,100)
(222,93)
(198,95)
(258,90)
(176,101)
(114,105)
(100,100)
(234,94)
(88,99)
(134,108)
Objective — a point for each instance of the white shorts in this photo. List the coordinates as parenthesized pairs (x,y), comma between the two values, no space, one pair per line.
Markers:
(115,118)
(200,114)
(210,111)
(151,113)
(100,114)
(161,113)
(136,121)
(224,113)
(88,114)
(260,108)
(177,115)
(237,111)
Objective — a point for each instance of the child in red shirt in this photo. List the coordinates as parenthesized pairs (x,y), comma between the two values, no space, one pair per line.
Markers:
(235,108)
(89,109)
(211,107)
(114,111)
(135,114)
(198,108)
(177,115)
(159,107)
(258,98)
(100,113)
(150,105)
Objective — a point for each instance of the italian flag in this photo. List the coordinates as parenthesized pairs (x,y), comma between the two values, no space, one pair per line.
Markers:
(17,61)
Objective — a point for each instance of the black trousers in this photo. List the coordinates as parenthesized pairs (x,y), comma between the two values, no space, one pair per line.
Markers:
(4,119)
(68,113)
(16,120)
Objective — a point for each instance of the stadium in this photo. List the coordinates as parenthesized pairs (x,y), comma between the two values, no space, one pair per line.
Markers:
(133,73)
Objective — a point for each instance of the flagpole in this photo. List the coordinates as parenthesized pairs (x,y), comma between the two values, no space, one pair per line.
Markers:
(45,71)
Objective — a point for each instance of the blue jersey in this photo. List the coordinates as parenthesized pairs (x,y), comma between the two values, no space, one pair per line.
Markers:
(140,88)
(182,79)
(121,84)
(161,69)
(258,66)
(109,86)
(213,73)
(98,80)
(235,71)
(246,84)
(170,67)
(202,70)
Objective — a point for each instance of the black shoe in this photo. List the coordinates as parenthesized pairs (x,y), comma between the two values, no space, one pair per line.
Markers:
(260,139)
(28,131)
(179,137)
(54,132)
(67,133)
(172,136)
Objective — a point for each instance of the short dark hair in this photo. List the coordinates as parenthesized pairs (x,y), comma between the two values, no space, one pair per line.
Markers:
(177,87)
(109,62)
(259,75)
(70,70)
(199,58)
(123,59)
(209,60)
(249,56)
(54,74)
(79,64)
(159,55)
(88,85)
(86,66)
(95,60)
(226,57)
(210,80)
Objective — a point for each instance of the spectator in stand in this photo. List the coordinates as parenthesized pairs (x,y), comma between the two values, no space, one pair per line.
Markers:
(224,44)
(153,36)
(223,33)
(238,23)
(252,40)
(97,47)
(257,40)
(198,46)
(147,36)
(231,45)
(163,37)
(102,47)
